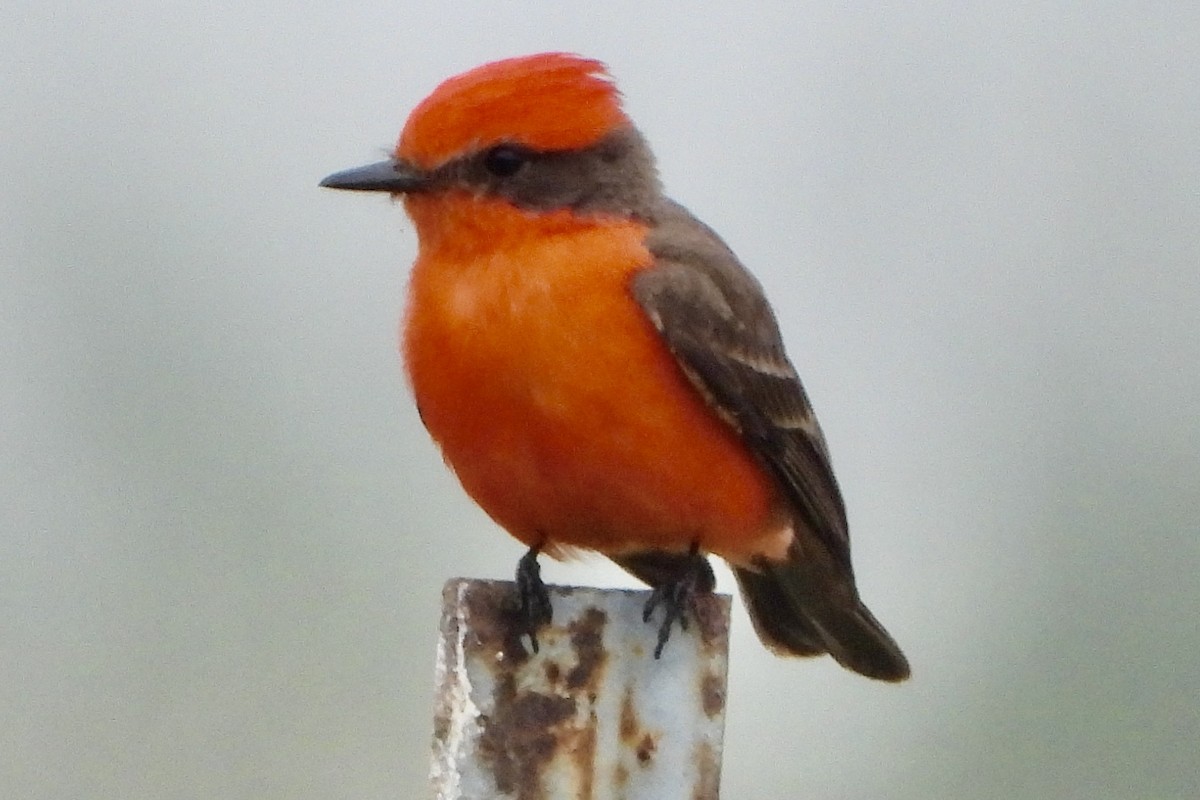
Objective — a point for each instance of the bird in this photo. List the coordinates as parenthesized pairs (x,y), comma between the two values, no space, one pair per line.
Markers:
(601,372)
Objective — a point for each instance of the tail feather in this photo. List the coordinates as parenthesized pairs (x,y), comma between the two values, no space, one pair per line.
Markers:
(785,633)
(803,607)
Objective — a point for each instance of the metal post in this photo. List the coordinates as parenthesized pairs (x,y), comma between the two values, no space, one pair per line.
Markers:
(592,715)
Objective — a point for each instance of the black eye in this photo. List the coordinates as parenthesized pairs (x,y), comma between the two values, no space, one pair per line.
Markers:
(504,160)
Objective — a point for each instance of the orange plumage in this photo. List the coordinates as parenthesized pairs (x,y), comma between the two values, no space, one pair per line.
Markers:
(555,401)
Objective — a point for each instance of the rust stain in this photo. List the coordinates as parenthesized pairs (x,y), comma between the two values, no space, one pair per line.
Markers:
(712,694)
(583,681)
(708,772)
(441,725)
(621,777)
(541,708)
(449,633)
(491,608)
(645,749)
(628,725)
(712,615)
(587,638)
(584,754)
(520,737)
(641,742)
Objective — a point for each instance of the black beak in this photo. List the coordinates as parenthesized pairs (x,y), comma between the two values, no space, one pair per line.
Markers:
(385,176)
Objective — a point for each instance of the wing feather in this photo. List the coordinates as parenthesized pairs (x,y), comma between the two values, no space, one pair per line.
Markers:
(715,320)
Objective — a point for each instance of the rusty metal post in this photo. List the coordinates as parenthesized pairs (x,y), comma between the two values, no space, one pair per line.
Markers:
(592,715)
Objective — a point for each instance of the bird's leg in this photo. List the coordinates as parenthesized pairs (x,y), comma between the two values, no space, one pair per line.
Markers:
(533,601)
(676,594)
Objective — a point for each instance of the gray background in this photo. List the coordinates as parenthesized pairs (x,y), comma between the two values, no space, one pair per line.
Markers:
(224,530)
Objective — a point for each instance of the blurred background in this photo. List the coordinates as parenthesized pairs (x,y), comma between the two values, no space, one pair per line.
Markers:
(223,531)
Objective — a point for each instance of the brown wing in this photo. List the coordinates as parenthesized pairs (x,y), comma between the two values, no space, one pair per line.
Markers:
(714,318)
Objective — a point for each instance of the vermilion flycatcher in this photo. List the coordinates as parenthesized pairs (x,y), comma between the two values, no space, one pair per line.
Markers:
(599,369)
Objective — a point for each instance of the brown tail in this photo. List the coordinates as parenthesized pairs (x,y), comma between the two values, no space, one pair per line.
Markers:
(802,607)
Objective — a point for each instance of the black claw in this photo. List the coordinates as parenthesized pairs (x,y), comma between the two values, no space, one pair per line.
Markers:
(677,595)
(651,604)
(533,600)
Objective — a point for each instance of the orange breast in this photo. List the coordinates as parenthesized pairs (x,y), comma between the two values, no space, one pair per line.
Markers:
(554,399)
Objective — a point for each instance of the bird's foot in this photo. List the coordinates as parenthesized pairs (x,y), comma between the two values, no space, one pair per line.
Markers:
(533,600)
(677,596)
